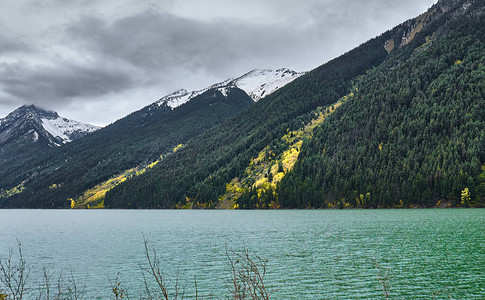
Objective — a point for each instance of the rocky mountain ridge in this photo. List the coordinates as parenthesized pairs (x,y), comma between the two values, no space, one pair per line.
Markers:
(256,83)
(34,124)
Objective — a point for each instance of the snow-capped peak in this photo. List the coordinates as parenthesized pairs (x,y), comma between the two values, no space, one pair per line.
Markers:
(36,121)
(256,83)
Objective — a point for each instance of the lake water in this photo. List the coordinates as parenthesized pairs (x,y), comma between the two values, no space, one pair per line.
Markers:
(312,254)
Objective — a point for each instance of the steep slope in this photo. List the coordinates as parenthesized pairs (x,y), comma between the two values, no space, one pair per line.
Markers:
(410,132)
(413,134)
(134,141)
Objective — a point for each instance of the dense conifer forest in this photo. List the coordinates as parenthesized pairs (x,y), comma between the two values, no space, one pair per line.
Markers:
(396,122)
(413,133)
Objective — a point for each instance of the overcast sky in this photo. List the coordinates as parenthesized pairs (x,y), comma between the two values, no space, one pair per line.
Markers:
(98,60)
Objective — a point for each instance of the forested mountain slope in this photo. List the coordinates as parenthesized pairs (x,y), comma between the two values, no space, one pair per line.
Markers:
(409,130)
(412,134)
(52,177)
(202,169)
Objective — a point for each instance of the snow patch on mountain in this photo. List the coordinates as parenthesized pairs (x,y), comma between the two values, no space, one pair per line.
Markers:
(256,83)
(34,135)
(224,91)
(66,129)
(260,83)
(175,99)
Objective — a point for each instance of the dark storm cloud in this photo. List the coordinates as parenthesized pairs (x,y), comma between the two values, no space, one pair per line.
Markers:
(60,84)
(346,14)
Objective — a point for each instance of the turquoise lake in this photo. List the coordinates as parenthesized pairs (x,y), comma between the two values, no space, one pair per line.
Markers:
(311,254)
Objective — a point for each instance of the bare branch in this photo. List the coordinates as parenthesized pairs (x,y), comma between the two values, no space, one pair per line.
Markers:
(14,276)
(154,271)
(246,276)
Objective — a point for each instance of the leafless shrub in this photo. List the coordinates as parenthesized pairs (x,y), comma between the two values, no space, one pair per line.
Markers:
(45,290)
(245,280)
(13,276)
(64,289)
(247,274)
(72,290)
(153,279)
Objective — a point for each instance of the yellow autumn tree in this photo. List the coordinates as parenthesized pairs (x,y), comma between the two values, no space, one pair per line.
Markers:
(465,197)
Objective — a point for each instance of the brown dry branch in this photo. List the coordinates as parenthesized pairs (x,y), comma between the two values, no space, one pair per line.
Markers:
(154,272)
(45,290)
(246,276)
(65,289)
(13,276)
(245,280)
(73,291)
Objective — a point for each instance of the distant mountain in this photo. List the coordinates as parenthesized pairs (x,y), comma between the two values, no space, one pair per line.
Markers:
(36,125)
(256,83)
(136,141)
(29,132)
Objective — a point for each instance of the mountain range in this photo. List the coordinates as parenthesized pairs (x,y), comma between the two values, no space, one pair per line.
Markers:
(395,122)
(256,83)
(132,142)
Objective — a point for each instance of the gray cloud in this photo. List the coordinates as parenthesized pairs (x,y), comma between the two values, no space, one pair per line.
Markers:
(8,45)
(157,42)
(125,52)
(51,85)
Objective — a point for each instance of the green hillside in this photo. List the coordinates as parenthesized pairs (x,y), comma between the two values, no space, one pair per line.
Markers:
(410,132)
(52,178)
(413,134)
